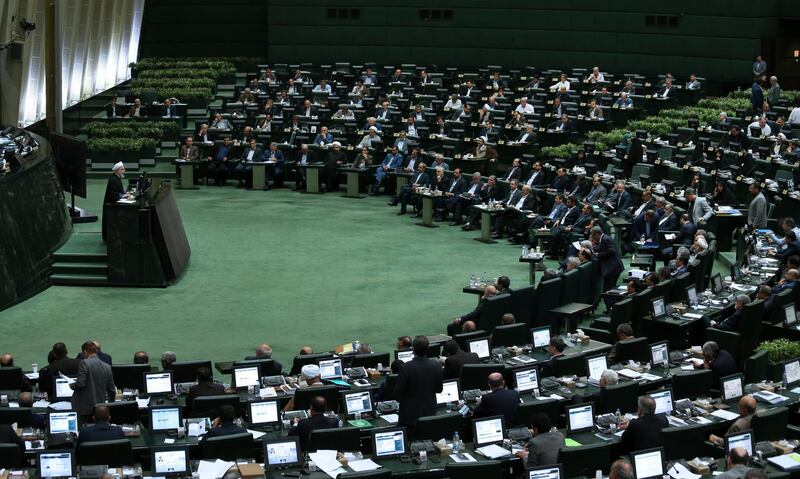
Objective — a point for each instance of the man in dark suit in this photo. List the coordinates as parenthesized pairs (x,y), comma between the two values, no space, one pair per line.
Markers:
(95,383)
(488,192)
(684,237)
(500,402)
(524,205)
(61,364)
(114,192)
(244,172)
(205,387)
(106,358)
(733,322)
(420,179)
(668,221)
(466,198)
(719,361)
(451,195)
(606,252)
(514,172)
(643,432)
(169,110)
(303,428)
(304,157)
(458,324)
(555,349)
(544,446)
(7,361)
(9,436)
(264,351)
(562,232)
(223,424)
(537,177)
(619,199)
(561,182)
(112,109)
(417,384)
(102,429)
(645,227)
(456,358)
(564,124)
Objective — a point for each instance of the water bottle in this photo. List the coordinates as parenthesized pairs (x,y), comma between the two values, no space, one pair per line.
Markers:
(456,442)
(485,278)
(525,250)
(356,345)
(617,417)
(472,281)
(784,382)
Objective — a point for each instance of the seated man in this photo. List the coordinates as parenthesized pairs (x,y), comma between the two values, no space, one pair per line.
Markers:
(370,139)
(459,323)
(623,102)
(205,387)
(562,232)
(514,213)
(499,402)
(317,420)
(561,182)
(102,429)
(419,180)
(275,173)
(455,204)
(555,349)
(563,125)
(456,359)
(552,220)
(733,322)
(223,424)
(644,432)
(747,408)
(719,361)
(644,230)
(544,446)
(303,158)
(457,186)
(243,171)
(624,333)
(513,172)
(788,281)
(392,161)
(736,464)
(218,162)
(514,194)
(597,194)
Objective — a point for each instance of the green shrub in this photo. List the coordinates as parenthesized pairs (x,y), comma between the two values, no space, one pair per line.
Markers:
(120,144)
(561,151)
(780,350)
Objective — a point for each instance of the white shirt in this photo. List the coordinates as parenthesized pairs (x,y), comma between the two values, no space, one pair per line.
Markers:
(766,131)
(452,104)
(557,86)
(474,188)
(488,107)
(412,130)
(250,154)
(664,219)
(794,116)
(319,88)
(527,109)
(665,93)
(524,137)
(597,78)
(533,177)
(520,202)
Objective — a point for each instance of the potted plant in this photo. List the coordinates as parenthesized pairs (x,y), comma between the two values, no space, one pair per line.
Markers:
(778,352)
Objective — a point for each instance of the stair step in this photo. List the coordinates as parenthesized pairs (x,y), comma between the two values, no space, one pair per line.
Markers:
(79,280)
(106,167)
(82,269)
(197,111)
(80,258)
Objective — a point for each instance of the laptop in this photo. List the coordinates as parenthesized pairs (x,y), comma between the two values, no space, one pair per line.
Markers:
(62,422)
(648,464)
(62,390)
(691,295)
(388,443)
(527,380)
(171,461)
(743,439)
(263,413)
(790,318)
(732,387)
(540,337)
(330,369)
(580,417)
(52,464)
(791,369)
(545,472)
(480,347)
(595,366)
(659,354)
(663,399)
(282,452)
(404,356)
(359,402)
(158,383)
(487,430)
(716,284)
(450,392)
(658,309)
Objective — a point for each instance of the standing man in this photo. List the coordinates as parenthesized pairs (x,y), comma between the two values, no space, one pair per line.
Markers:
(95,383)
(606,252)
(699,211)
(114,191)
(417,384)
(757,211)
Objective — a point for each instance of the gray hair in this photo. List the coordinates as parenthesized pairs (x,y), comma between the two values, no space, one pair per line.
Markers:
(265,350)
(586,244)
(743,298)
(597,229)
(710,350)
(573,261)
(622,469)
(647,404)
(683,253)
(477,173)
(610,377)
(168,357)
(689,191)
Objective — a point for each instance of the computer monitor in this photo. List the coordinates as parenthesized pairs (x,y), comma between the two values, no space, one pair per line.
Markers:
(264,413)
(736,271)
(450,392)
(167,418)
(526,379)
(663,401)
(716,283)
(389,442)
(158,383)
(657,308)
(743,439)
(61,389)
(488,430)
(580,417)
(732,387)
(56,463)
(659,354)
(648,464)
(790,315)
(691,295)
(545,472)
(358,402)
(246,376)
(62,422)
(404,356)
(170,461)
(186,371)
(595,366)
(282,452)
(540,337)
(480,347)
(792,371)
(330,369)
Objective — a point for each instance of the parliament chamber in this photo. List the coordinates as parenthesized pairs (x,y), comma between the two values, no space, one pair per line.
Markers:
(340,239)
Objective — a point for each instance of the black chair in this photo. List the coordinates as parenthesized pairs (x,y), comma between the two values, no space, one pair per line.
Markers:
(11,378)
(681,442)
(382,473)
(10,456)
(129,376)
(186,371)
(229,448)
(300,361)
(525,412)
(338,439)
(585,460)
(624,396)
(208,406)
(770,425)
(23,416)
(124,412)
(439,426)
(475,470)
(388,390)
(569,365)
(636,349)
(692,384)
(491,312)
(549,297)
(756,367)
(476,376)
(114,453)
(370,360)
(463,339)
(510,335)
(303,397)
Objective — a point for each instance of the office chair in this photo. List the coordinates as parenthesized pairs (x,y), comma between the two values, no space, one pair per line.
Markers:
(130,376)
(770,425)
(439,426)
(370,360)
(569,365)
(692,384)
(463,339)
(510,335)
(208,406)
(23,416)
(624,396)
(755,367)
(114,453)
(382,473)
(186,371)
(636,349)
(303,397)
(300,361)
(680,442)
(228,448)
(337,439)
(11,378)
(389,382)
(585,460)
(476,376)
(525,412)
(10,456)
(124,412)
(474,470)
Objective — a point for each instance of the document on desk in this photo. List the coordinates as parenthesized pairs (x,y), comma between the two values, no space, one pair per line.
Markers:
(32,376)
(326,460)
(691,315)
(142,402)
(61,406)
(725,415)
(650,377)
(256,434)
(363,465)
(679,471)
(68,379)
(629,373)
(675,421)
(786,461)
(769,397)
(493,451)
(463,457)
(391,418)
(41,403)
(213,469)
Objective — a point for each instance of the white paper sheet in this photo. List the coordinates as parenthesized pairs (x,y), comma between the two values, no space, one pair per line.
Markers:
(326,462)
(256,434)
(61,406)
(41,403)
(213,469)
(142,403)
(492,451)
(679,471)
(391,418)
(363,465)
(462,457)
(723,414)
(786,461)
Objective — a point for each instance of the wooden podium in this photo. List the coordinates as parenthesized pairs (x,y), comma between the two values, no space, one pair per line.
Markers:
(353,182)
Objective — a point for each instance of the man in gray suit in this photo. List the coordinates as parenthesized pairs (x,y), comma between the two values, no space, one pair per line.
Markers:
(95,383)
(698,210)
(757,211)
(736,468)
(543,447)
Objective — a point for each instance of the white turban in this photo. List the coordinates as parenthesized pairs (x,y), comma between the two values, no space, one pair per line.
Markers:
(117,166)
(310,371)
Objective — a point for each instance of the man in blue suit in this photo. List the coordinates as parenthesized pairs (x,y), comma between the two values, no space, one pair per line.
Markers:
(101,430)
(392,161)
(500,402)
(684,237)
(169,110)
(556,213)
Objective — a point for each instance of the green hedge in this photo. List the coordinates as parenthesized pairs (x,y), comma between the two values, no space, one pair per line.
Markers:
(173,83)
(185,95)
(120,144)
(780,350)
(133,129)
(561,151)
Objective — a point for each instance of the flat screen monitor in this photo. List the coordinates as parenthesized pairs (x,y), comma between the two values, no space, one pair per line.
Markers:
(792,371)
(404,356)
(62,390)
(358,402)
(580,417)
(716,283)
(63,422)
(663,401)
(743,439)
(732,387)
(595,366)
(540,337)
(388,443)
(648,464)
(526,380)
(69,153)
(545,472)
(56,463)
(480,347)
(488,430)
(246,376)
(790,316)
(165,418)
(450,392)
(691,295)
(158,383)
(659,354)
(264,412)
(330,369)
(736,272)
(282,452)
(171,461)
(657,308)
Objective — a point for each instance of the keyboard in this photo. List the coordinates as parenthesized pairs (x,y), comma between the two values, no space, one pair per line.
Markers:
(471,394)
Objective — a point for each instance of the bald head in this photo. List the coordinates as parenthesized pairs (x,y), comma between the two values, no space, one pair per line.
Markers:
(264,350)
(25,399)
(306,350)
(469,326)
(102,413)
(737,455)
(747,405)
(621,469)
(496,381)
(6,360)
